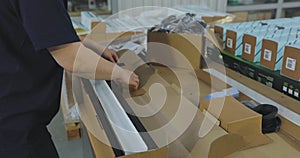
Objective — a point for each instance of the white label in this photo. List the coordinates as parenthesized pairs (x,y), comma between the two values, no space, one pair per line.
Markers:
(229,43)
(247,48)
(267,54)
(296,94)
(291,64)
(285,88)
(291,91)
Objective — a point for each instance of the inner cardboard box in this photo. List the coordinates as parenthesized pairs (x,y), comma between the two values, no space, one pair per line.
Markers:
(218,143)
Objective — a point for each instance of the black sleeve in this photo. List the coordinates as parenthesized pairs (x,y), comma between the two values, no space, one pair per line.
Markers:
(47,23)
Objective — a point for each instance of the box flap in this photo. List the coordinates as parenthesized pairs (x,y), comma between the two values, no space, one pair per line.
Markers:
(231,109)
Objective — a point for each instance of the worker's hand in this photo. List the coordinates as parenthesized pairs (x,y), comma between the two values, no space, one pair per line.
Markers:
(110,55)
(129,78)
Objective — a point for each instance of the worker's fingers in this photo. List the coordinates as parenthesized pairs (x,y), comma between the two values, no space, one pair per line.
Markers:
(115,56)
(110,58)
(134,81)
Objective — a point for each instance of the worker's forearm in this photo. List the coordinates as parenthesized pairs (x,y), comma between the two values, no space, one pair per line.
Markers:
(84,62)
(96,47)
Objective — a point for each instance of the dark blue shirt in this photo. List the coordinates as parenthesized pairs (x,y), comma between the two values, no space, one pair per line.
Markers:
(30,79)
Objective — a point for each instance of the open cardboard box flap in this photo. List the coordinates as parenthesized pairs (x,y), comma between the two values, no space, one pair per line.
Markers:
(172,49)
(237,119)
(189,144)
(216,144)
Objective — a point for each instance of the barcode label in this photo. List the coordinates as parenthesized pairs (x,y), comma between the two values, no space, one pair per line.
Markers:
(247,48)
(267,54)
(229,43)
(291,64)
(285,88)
(296,94)
(291,91)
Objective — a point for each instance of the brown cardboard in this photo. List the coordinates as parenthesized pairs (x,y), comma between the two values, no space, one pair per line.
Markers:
(211,19)
(272,46)
(102,150)
(240,16)
(290,128)
(238,119)
(99,34)
(188,144)
(168,48)
(251,40)
(219,32)
(223,148)
(175,43)
(189,141)
(293,53)
(216,144)
(290,103)
(70,102)
(279,148)
(230,45)
(260,15)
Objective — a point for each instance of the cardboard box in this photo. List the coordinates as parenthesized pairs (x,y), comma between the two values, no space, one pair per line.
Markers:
(102,150)
(252,42)
(237,119)
(286,86)
(273,51)
(270,56)
(99,34)
(171,49)
(188,144)
(240,16)
(178,50)
(260,15)
(234,37)
(232,34)
(290,64)
(212,19)
(220,30)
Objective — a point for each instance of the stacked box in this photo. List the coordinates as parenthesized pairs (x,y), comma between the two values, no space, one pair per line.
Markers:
(273,48)
(234,37)
(220,29)
(252,42)
(291,59)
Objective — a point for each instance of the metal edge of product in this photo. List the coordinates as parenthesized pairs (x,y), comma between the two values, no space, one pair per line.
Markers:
(125,132)
(102,118)
(135,120)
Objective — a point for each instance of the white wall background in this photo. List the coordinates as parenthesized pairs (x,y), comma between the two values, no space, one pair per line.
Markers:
(217,5)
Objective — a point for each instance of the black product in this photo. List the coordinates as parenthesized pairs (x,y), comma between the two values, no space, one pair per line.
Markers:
(270,121)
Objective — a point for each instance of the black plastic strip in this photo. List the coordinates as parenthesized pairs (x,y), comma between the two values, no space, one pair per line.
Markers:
(102,118)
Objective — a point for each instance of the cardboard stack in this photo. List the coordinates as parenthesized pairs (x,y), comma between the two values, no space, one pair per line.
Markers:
(234,37)
(220,29)
(237,119)
(290,64)
(252,42)
(273,48)
(170,49)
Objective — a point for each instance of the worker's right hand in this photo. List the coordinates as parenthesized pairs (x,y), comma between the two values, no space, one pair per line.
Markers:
(129,78)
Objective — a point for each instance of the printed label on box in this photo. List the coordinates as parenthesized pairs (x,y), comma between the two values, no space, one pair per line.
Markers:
(296,94)
(247,48)
(284,88)
(291,64)
(267,54)
(229,43)
(291,91)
